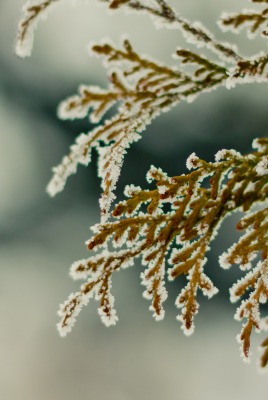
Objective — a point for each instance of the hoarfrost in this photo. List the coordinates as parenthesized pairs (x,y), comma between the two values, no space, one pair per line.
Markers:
(227,155)
(28,23)
(262,166)
(193,162)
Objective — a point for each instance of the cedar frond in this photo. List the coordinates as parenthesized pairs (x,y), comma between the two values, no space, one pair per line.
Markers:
(164,13)
(36,9)
(252,20)
(204,66)
(117,134)
(175,222)
(193,214)
(252,243)
(33,11)
(257,281)
(143,89)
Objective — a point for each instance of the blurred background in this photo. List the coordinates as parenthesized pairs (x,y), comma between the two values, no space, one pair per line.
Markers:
(41,237)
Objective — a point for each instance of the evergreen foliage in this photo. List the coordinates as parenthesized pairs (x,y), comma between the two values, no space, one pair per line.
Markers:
(174,223)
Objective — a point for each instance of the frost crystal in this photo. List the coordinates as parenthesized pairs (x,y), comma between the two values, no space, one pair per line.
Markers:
(226,155)
(192,162)
(262,166)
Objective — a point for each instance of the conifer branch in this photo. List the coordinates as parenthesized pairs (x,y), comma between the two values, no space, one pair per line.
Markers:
(191,31)
(175,222)
(251,19)
(188,226)
(143,89)
(33,11)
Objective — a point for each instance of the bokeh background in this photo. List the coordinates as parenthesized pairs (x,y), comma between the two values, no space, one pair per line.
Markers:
(40,237)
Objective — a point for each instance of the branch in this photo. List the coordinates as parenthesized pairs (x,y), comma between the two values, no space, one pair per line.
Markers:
(191,31)
(33,12)
(143,89)
(193,214)
(250,19)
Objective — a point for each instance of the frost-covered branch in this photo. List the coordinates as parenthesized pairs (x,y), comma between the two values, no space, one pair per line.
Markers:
(33,11)
(143,89)
(193,32)
(180,235)
(36,9)
(175,223)
(251,19)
